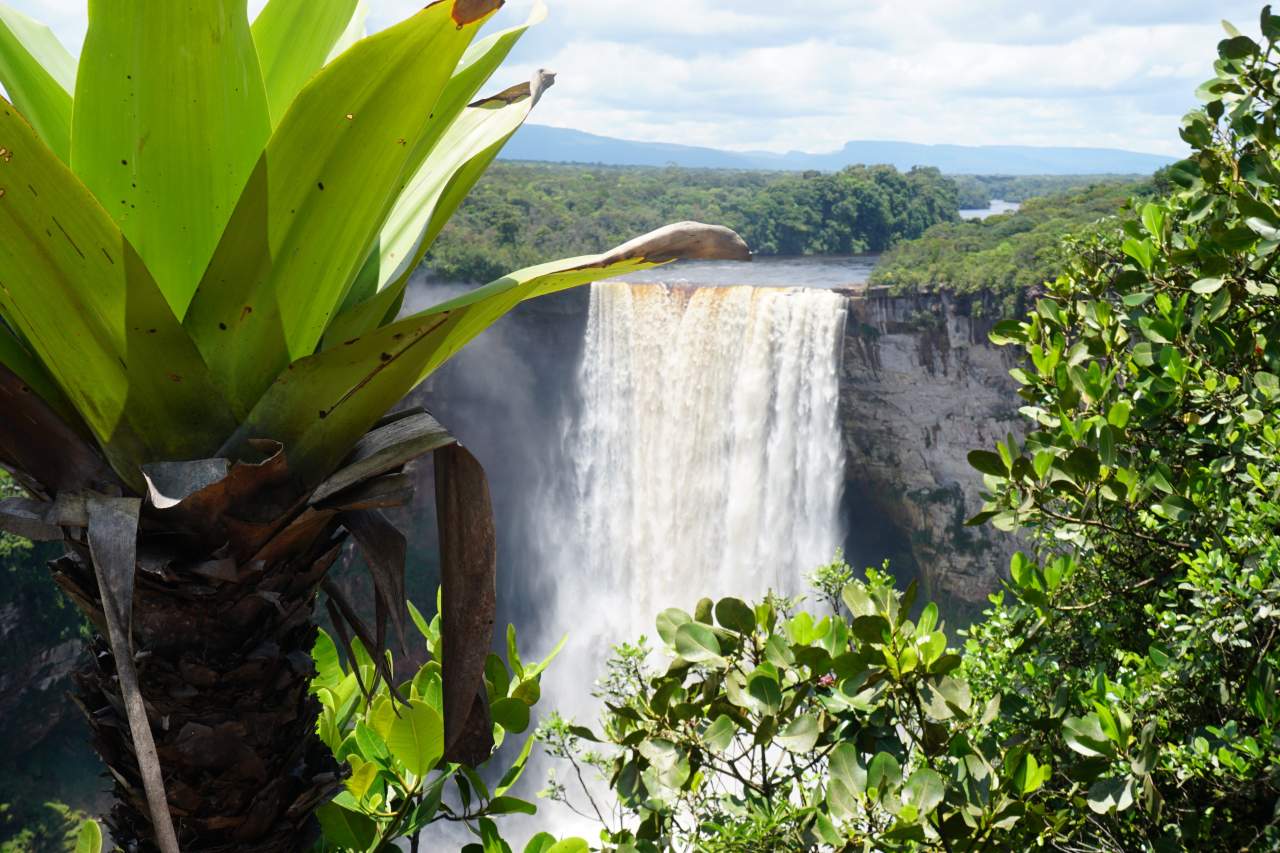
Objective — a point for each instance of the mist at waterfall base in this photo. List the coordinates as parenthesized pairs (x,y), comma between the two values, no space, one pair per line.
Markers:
(659,443)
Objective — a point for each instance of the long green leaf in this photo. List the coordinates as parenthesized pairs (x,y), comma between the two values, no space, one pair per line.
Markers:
(316,200)
(81,297)
(39,76)
(353,33)
(389,257)
(294,38)
(432,197)
(320,405)
(170,117)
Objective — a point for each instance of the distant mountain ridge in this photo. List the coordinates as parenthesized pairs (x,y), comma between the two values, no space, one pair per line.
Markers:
(561,145)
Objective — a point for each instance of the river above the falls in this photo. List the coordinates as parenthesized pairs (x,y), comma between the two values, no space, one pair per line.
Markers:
(826,272)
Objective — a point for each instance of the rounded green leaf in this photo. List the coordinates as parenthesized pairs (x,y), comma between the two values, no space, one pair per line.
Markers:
(765,690)
(925,790)
(669,621)
(511,713)
(696,643)
(417,737)
(800,734)
(735,615)
(344,828)
(89,839)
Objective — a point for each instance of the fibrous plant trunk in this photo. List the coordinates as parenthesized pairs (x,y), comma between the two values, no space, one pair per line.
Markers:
(224,668)
(216,575)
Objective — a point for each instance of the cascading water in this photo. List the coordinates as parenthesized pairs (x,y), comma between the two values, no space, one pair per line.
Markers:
(703,458)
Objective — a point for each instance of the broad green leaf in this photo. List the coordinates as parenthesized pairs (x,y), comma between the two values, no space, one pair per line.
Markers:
(696,643)
(669,621)
(511,805)
(924,790)
(363,773)
(316,200)
(81,297)
(170,115)
(294,38)
(764,689)
(512,714)
(39,76)
(720,733)
(800,734)
(345,828)
(734,614)
(430,199)
(845,767)
(321,405)
(417,737)
(1113,794)
(1085,736)
(883,775)
(89,839)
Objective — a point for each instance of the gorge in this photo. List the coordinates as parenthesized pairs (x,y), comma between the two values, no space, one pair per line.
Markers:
(589,407)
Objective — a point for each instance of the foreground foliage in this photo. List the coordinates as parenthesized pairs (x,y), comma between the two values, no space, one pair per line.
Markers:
(773,728)
(1149,482)
(393,742)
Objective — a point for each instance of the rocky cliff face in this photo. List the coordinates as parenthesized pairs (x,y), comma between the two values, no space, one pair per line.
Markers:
(921,387)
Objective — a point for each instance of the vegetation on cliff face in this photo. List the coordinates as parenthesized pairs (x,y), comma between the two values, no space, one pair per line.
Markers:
(521,212)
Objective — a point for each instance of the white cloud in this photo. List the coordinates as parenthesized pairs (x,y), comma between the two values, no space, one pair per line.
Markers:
(762,74)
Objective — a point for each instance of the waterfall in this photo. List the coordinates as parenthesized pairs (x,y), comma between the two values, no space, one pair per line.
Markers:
(703,458)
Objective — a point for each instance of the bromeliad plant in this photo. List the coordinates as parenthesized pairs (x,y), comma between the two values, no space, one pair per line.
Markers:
(206,230)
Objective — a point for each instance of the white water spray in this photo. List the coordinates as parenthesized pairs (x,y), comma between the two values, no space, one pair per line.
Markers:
(704,459)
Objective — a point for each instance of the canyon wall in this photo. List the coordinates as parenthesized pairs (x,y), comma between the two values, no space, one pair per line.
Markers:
(921,387)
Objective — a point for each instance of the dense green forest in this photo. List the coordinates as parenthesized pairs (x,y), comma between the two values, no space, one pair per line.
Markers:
(1008,254)
(521,214)
(978,191)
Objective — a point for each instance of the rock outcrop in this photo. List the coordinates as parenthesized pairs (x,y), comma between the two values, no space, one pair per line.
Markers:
(921,387)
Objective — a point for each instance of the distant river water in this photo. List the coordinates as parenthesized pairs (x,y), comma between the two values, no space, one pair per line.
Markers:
(997,206)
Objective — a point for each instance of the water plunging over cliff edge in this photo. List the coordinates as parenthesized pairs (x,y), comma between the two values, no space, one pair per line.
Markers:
(703,457)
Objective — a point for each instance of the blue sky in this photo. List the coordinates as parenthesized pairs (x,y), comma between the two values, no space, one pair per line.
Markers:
(751,74)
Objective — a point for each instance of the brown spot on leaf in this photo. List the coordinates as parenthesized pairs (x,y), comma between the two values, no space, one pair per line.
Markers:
(175,377)
(386,356)
(320,184)
(1,192)
(222,326)
(245,312)
(350,342)
(469,11)
(5,154)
